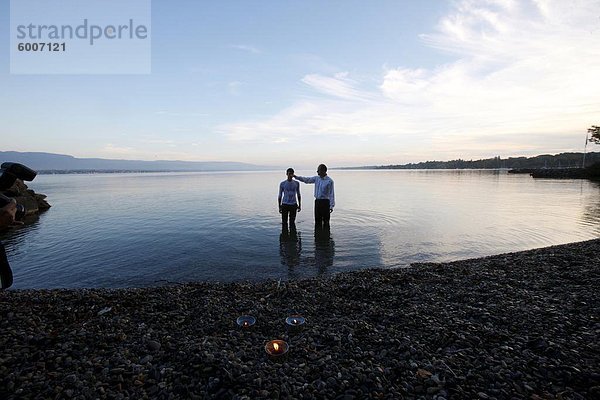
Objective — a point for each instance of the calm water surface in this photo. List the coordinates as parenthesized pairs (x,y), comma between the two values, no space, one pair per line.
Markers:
(116,230)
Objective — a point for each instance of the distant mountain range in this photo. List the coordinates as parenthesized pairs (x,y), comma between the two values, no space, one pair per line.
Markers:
(49,162)
(562,160)
(60,163)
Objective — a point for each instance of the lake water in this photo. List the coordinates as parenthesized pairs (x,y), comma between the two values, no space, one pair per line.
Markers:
(118,230)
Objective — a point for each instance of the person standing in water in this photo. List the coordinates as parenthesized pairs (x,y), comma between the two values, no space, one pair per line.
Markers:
(324,195)
(289,190)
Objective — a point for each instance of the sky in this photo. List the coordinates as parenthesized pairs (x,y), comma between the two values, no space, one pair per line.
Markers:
(346,83)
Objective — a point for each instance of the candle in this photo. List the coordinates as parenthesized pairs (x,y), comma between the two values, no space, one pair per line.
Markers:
(276,348)
(246,321)
(295,320)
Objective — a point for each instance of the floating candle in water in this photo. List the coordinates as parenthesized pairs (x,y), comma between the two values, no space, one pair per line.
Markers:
(246,321)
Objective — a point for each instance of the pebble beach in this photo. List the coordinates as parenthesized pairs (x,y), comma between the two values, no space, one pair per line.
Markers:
(522,325)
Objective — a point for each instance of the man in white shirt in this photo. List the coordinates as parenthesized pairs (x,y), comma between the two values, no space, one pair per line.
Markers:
(324,195)
(288,191)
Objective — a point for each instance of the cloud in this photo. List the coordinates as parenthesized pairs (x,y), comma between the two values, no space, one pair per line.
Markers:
(159,142)
(249,49)
(283,125)
(181,114)
(234,87)
(525,73)
(405,84)
(337,86)
(148,150)
(112,149)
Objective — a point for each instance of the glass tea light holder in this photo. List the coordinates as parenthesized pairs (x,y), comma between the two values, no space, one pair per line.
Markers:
(246,321)
(276,349)
(295,322)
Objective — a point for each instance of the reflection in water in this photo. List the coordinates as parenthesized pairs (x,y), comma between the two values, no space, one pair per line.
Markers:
(324,248)
(9,239)
(290,248)
(15,237)
(17,233)
(290,251)
(591,212)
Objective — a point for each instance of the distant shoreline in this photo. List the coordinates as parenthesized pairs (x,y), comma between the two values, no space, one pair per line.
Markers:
(111,171)
(562,160)
(100,171)
(51,163)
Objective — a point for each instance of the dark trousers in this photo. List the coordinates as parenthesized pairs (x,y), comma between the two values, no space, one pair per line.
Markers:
(6,276)
(288,209)
(322,212)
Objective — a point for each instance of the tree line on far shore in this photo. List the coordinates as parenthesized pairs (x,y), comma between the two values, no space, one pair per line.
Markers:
(562,160)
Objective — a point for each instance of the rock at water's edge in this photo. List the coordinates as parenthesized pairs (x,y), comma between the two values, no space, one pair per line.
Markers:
(33,202)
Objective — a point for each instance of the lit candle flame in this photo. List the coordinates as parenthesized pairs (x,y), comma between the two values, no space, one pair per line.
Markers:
(245,323)
(275,347)
(295,321)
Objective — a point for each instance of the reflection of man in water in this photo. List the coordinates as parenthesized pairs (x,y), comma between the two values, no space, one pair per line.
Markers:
(324,194)
(288,191)
(324,249)
(290,249)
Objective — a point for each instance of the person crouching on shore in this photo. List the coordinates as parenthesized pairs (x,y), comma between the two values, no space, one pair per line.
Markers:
(7,215)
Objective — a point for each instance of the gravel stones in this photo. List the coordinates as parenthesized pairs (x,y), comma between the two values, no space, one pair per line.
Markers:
(522,325)
(153,345)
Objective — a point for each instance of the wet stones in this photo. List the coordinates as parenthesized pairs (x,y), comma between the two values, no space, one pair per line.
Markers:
(522,325)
